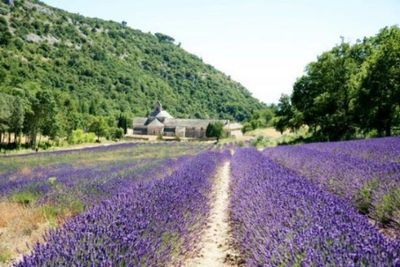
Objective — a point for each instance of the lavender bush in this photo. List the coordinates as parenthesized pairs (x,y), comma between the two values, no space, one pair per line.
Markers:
(383,150)
(144,225)
(89,174)
(282,219)
(367,182)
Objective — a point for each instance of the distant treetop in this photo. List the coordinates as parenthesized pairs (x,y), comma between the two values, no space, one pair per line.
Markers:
(164,38)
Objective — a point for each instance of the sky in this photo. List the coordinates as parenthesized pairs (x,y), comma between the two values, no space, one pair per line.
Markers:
(265,45)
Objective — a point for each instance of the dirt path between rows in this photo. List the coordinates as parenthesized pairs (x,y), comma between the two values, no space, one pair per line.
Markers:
(215,245)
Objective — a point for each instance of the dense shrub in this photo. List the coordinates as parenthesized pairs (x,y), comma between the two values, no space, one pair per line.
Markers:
(79,137)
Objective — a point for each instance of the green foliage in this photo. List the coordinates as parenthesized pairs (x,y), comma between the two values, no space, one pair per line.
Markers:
(124,121)
(349,90)
(389,207)
(118,133)
(260,119)
(79,137)
(164,38)
(24,197)
(66,69)
(364,196)
(287,116)
(67,206)
(41,116)
(99,127)
(380,84)
(5,112)
(5,256)
(262,141)
(215,129)
(5,35)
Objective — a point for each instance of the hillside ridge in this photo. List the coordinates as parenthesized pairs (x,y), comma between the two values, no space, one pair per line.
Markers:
(103,68)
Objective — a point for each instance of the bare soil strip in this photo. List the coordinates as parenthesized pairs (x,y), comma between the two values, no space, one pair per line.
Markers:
(215,245)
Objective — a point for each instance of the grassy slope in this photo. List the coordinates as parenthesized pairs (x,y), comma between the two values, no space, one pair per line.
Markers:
(106,67)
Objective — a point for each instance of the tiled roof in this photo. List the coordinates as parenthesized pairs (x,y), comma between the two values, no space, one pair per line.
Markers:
(163,118)
(137,122)
(163,114)
(187,123)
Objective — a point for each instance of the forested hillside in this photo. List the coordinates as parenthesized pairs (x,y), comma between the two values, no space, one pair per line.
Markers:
(61,71)
(353,90)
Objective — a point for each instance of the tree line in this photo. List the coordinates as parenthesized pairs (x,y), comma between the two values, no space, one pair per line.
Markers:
(38,113)
(353,90)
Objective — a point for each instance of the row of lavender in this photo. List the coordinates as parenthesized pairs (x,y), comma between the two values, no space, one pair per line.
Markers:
(107,170)
(383,150)
(146,224)
(282,219)
(353,171)
(10,165)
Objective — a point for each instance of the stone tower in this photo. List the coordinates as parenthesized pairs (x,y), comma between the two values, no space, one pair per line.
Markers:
(158,106)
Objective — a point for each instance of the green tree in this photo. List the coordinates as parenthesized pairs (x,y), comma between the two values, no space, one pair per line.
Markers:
(287,117)
(17,118)
(5,35)
(260,119)
(117,133)
(40,119)
(99,127)
(378,97)
(215,129)
(323,94)
(164,38)
(124,122)
(5,114)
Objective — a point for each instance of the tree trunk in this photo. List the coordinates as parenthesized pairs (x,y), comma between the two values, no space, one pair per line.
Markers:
(33,140)
(380,131)
(9,138)
(40,138)
(388,129)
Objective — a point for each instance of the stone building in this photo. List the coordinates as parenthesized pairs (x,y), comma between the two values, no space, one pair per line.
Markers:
(160,122)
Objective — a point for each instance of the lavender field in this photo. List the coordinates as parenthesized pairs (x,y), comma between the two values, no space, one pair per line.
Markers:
(165,204)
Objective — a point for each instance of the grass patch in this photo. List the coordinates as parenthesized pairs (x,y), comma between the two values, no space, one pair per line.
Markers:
(69,207)
(24,197)
(263,141)
(5,256)
(388,209)
(171,240)
(364,196)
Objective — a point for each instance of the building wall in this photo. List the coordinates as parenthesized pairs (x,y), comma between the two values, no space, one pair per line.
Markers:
(180,131)
(236,133)
(195,132)
(155,130)
(201,133)
(140,130)
(169,131)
